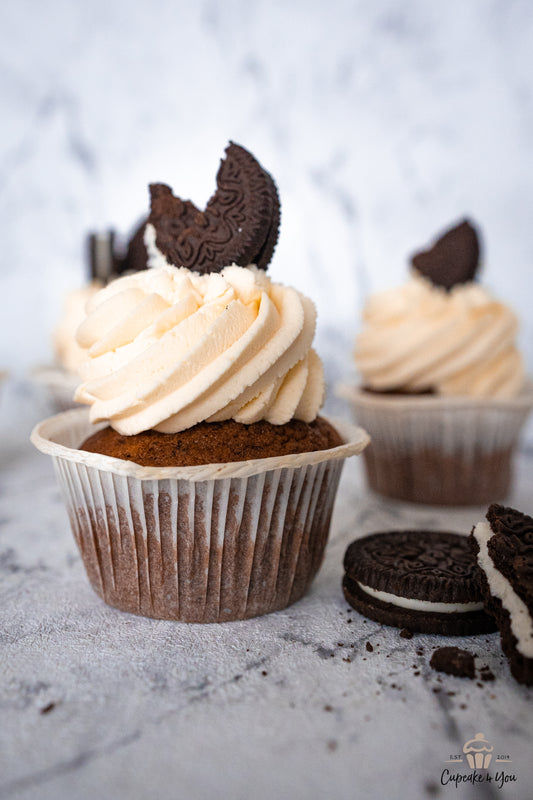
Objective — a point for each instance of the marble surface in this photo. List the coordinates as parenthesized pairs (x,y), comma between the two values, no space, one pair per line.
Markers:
(381,122)
(313,702)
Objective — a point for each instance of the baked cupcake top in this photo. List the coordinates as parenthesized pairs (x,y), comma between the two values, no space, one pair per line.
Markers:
(441,332)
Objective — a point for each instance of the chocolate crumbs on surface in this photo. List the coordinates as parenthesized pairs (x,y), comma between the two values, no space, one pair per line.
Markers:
(453,661)
(486,674)
(405,633)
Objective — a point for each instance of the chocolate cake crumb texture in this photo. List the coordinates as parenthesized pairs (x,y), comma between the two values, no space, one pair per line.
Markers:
(453,259)
(215,442)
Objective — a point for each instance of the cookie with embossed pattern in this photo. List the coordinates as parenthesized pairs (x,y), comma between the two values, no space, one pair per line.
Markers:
(421,580)
(239,225)
(503,548)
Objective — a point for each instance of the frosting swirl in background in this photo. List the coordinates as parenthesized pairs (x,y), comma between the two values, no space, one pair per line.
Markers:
(420,337)
(168,348)
(68,352)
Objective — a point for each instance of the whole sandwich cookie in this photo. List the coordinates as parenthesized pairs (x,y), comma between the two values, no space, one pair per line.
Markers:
(239,225)
(503,547)
(421,580)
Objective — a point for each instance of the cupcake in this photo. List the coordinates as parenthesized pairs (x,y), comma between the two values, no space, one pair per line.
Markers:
(200,485)
(444,393)
(106,260)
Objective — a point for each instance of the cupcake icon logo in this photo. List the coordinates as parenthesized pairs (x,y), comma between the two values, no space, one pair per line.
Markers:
(478,752)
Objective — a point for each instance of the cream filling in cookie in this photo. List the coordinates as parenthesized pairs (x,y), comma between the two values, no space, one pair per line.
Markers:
(500,587)
(420,605)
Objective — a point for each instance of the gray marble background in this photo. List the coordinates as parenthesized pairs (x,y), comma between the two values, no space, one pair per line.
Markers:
(381,122)
(311,703)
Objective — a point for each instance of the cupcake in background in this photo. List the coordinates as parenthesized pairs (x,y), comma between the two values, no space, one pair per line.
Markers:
(200,487)
(443,392)
(106,260)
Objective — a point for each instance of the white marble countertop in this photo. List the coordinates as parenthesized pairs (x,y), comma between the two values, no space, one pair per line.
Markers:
(97,704)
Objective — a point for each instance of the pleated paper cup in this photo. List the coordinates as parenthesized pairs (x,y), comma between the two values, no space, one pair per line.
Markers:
(198,544)
(59,384)
(440,450)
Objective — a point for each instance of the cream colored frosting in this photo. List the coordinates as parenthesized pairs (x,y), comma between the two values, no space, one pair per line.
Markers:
(168,348)
(67,350)
(413,604)
(421,337)
(519,616)
(156,258)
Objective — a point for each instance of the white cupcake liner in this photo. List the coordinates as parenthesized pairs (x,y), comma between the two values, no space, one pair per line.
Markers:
(59,384)
(440,450)
(198,544)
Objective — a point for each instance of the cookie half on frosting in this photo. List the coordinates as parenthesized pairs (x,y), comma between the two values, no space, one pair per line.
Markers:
(421,580)
(239,225)
(453,259)
(503,547)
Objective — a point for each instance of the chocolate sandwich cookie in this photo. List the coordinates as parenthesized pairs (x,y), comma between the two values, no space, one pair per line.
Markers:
(421,580)
(108,261)
(503,548)
(135,258)
(453,259)
(240,223)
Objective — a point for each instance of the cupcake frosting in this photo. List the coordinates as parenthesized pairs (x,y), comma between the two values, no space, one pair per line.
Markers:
(420,337)
(68,352)
(168,348)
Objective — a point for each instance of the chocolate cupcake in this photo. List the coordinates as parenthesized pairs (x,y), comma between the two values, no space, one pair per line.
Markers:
(444,393)
(200,486)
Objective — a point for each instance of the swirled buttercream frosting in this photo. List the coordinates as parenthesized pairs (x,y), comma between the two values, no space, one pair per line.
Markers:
(168,348)
(419,337)
(68,352)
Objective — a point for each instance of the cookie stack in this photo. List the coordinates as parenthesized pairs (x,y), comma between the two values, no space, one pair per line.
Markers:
(445,583)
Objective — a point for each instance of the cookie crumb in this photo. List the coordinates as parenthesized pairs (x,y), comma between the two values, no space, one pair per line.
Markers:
(48,708)
(405,633)
(369,647)
(453,661)
(486,674)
